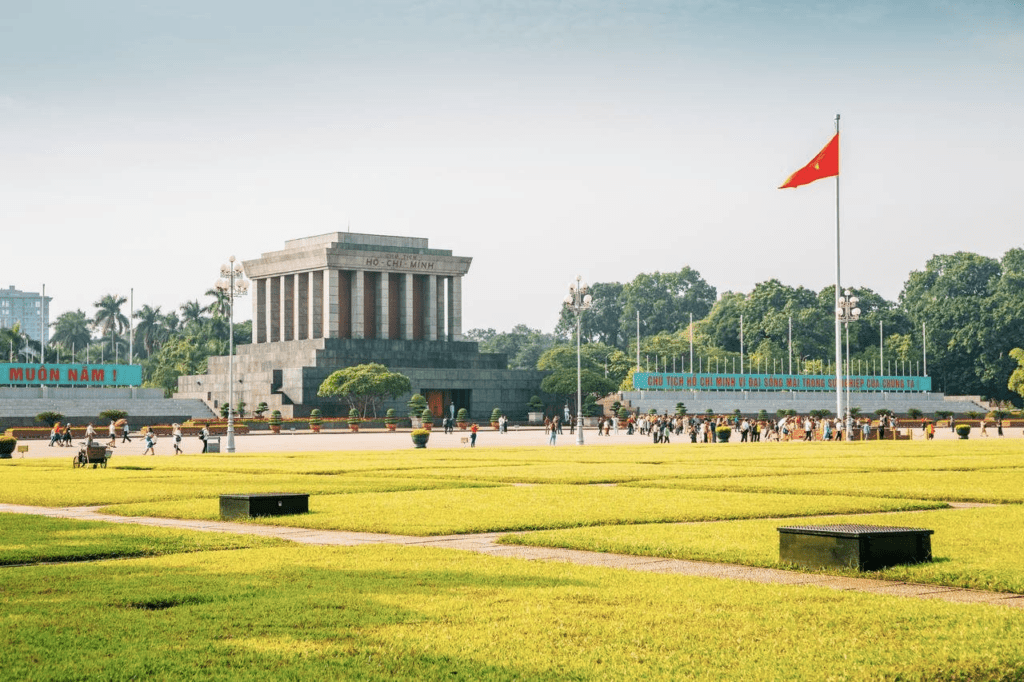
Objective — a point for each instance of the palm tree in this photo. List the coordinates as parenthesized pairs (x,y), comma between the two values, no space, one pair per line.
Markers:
(109,319)
(221,303)
(171,325)
(191,314)
(150,329)
(71,331)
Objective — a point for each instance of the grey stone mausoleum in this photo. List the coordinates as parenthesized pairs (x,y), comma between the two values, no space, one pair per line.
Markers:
(343,299)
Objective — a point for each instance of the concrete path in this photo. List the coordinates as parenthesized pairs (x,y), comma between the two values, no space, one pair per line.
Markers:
(484,543)
(340,441)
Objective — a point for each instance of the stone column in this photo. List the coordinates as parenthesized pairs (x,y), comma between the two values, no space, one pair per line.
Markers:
(439,308)
(455,308)
(259,311)
(315,306)
(274,309)
(284,319)
(357,304)
(301,305)
(383,321)
(430,308)
(406,306)
(330,303)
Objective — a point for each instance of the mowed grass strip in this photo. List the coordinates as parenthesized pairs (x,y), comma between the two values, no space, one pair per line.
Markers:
(415,613)
(973,548)
(32,539)
(77,487)
(997,485)
(479,510)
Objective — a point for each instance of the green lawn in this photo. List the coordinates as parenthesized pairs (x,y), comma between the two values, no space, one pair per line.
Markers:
(973,548)
(479,510)
(417,613)
(989,485)
(32,539)
(163,604)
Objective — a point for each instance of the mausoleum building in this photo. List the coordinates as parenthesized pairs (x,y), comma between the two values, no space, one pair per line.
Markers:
(343,299)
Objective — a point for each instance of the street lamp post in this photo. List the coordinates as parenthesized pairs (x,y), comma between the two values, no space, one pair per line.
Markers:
(847,312)
(233,283)
(578,300)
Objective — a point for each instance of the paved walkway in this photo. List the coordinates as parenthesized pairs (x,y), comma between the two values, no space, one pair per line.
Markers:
(334,441)
(484,543)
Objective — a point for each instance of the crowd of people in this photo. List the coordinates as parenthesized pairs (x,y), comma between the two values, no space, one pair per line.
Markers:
(662,428)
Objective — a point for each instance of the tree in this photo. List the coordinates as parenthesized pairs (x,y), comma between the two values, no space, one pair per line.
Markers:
(602,322)
(1016,383)
(185,354)
(664,301)
(109,321)
(71,331)
(522,345)
(364,386)
(192,315)
(562,382)
(149,332)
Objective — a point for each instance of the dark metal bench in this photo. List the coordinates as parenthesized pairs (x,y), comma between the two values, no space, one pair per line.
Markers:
(95,454)
(866,548)
(249,505)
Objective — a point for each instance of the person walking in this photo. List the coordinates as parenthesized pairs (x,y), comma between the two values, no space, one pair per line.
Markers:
(112,432)
(176,438)
(55,435)
(984,431)
(555,427)
(150,442)
(66,434)
(472,435)
(126,432)
(204,436)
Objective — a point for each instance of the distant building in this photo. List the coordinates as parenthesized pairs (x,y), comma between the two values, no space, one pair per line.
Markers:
(28,308)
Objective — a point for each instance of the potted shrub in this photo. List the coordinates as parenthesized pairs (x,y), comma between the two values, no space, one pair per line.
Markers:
(723,433)
(495,416)
(275,421)
(534,411)
(462,418)
(353,420)
(7,446)
(623,414)
(260,409)
(390,420)
(427,418)
(680,410)
(315,420)
(417,403)
(963,430)
(420,437)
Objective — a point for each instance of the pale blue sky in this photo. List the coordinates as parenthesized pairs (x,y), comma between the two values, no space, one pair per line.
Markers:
(544,139)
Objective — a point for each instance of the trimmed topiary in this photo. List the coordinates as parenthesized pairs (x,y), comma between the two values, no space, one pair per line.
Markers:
(7,446)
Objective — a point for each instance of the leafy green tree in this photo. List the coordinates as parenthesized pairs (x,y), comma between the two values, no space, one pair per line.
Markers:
(1016,383)
(364,387)
(664,301)
(522,345)
(185,354)
(602,322)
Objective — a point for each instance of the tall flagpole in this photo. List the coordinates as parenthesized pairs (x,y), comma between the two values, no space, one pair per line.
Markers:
(839,344)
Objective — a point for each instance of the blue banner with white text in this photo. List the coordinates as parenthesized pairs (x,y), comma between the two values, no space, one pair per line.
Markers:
(670,381)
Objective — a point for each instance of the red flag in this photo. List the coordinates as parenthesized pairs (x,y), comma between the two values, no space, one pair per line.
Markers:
(824,165)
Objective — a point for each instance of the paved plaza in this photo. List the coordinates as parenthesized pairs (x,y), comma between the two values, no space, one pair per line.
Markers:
(333,441)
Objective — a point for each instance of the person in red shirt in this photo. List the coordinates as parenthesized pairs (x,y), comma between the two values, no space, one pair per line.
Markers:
(472,435)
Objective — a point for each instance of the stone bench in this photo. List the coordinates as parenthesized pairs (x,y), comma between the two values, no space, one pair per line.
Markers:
(251,505)
(866,548)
